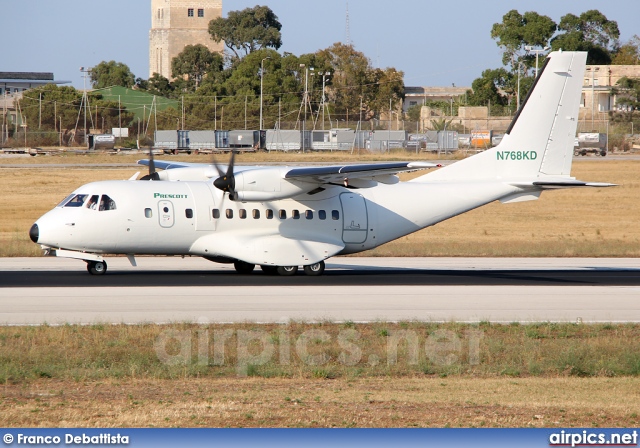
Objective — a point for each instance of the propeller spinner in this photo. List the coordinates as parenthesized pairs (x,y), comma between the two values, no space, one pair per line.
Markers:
(227,181)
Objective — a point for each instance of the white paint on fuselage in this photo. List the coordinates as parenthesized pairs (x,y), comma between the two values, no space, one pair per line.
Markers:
(392,212)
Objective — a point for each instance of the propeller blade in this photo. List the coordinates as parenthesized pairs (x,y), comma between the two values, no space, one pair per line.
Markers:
(153,175)
(227,181)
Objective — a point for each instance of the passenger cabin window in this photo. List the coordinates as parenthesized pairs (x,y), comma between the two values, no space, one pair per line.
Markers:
(322,214)
(92,203)
(308,214)
(77,200)
(106,203)
(269,214)
(282,214)
(229,213)
(256,213)
(296,214)
(243,213)
(335,215)
(148,213)
(188,213)
(216,213)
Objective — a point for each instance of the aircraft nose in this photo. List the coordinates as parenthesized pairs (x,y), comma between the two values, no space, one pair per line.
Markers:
(34,233)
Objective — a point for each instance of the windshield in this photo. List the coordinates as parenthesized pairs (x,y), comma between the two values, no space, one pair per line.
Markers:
(76,201)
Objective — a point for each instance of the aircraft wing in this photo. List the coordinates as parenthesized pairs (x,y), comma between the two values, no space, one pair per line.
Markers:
(340,173)
(170,165)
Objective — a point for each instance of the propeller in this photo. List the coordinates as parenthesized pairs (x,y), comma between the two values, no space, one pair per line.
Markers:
(227,181)
(153,175)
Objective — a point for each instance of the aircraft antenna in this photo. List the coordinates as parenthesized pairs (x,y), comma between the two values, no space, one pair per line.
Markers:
(348,32)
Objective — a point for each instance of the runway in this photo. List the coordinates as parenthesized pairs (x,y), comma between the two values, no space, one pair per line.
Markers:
(171,289)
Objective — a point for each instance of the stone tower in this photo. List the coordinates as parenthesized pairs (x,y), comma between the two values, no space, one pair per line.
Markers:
(176,24)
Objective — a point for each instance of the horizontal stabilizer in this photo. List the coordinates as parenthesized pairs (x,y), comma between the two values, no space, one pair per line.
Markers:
(561,183)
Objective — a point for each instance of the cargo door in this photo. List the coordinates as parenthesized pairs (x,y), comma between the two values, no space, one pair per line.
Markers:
(354,218)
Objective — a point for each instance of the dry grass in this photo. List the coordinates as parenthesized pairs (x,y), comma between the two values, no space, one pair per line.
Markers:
(323,350)
(243,158)
(371,402)
(569,223)
(535,375)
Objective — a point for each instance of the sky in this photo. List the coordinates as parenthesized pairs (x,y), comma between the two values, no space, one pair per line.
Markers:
(435,43)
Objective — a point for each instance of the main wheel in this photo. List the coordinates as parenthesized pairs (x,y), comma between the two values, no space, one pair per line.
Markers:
(314,269)
(287,270)
(269,270)
(97,267)
(243,268)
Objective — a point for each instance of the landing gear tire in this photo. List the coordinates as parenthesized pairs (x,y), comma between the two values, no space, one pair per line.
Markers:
(576,153)
(97,267)
(314,269)
(287,270)
(243,268)
(269,270)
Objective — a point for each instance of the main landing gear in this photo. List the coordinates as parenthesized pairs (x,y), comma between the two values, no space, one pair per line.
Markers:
(285,271)
(97,267)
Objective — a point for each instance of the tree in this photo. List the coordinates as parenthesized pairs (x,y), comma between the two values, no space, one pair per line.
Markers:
(517,31)
(628,53)
(194,62)
(112,73)
(160,86)
(247,30)
(351,78)
(591,32)
(49,104)
(486,89)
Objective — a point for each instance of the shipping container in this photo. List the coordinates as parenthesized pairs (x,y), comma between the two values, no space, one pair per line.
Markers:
(244,139)
(279,140)
(199,140)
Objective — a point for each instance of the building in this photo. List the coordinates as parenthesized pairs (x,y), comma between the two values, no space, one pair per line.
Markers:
(414,96)
(598,98)
(176,24)
(12,84)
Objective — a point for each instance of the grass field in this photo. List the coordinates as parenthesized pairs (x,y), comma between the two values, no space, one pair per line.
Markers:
(569,223)
(520,375)
(544,375)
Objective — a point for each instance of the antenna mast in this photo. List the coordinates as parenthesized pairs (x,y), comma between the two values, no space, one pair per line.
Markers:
(349,43)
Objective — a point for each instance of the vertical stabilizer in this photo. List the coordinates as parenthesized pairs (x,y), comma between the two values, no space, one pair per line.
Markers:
(540,139)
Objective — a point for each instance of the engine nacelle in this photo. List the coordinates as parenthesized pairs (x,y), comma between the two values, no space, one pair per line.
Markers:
(268,184)
(195,173)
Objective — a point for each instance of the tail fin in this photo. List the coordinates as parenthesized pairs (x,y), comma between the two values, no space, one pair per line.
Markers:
(540,139)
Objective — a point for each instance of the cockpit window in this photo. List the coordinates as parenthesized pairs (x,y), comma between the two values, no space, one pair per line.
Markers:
(76,201)
(92,203)
(106,203)
(64,201)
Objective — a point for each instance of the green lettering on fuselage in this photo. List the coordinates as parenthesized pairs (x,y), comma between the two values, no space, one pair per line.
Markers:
(516,155)
(169,196)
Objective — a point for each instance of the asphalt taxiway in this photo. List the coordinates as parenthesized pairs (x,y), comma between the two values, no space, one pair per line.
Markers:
(172,289)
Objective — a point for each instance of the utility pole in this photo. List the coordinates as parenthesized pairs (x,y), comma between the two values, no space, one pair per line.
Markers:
(84,100)
(261,83)
(530,49)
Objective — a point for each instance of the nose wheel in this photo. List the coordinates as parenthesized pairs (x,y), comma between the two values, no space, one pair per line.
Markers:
(97,267)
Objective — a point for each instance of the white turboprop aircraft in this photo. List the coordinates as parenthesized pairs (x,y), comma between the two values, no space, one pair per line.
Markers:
(282,217)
